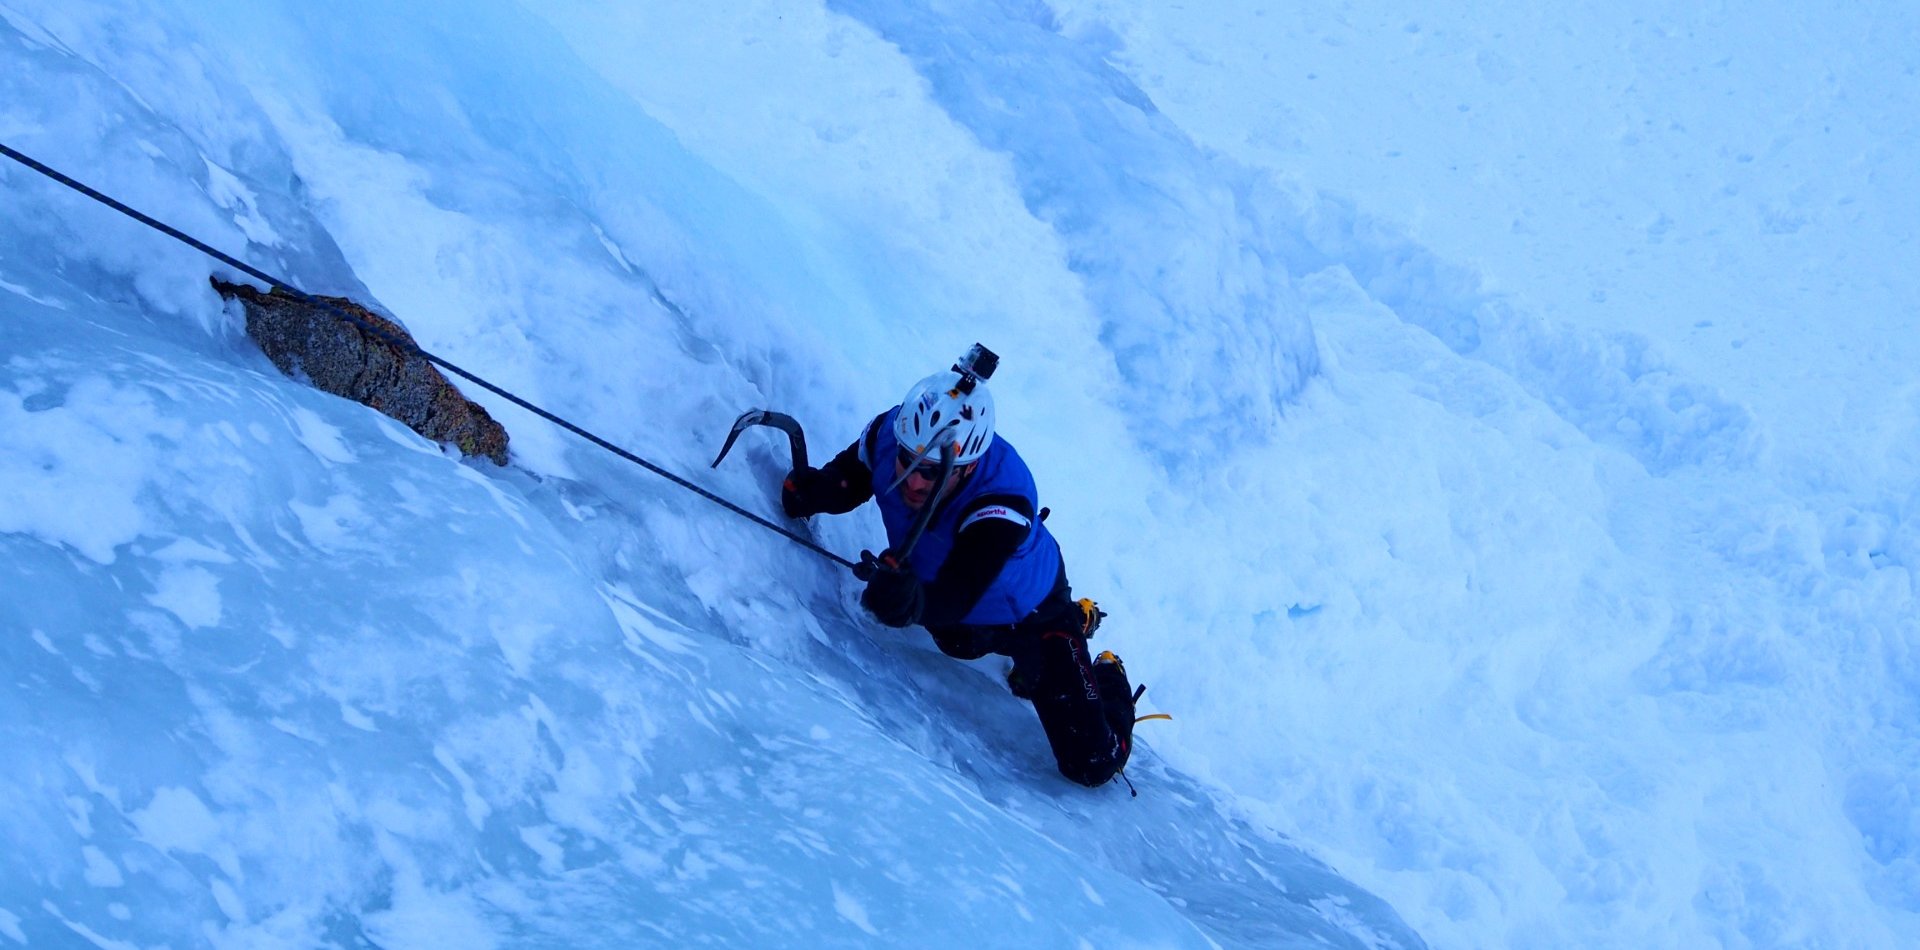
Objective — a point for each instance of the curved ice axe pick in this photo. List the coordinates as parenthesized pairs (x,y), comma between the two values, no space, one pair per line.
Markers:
(796,439)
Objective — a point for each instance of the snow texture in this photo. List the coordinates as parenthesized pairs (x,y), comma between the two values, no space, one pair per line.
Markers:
(1495,434)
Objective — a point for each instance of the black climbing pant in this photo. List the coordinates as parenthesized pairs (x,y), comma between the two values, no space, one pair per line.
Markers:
(1085,708)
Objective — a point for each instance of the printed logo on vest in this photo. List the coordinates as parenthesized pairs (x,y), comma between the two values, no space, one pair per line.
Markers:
(997,511)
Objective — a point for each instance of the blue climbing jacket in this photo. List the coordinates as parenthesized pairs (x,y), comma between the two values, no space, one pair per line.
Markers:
(1031,571)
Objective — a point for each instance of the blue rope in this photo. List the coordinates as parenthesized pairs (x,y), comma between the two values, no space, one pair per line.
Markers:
(408,346)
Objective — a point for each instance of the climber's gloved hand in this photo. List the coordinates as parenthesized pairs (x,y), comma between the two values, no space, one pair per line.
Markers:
(894,596)
(802,491)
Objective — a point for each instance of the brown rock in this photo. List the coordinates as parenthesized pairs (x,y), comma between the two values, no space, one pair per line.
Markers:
(342,358)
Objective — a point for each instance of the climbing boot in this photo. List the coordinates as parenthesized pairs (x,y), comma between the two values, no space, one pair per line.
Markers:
(1116,697)
(1090,616)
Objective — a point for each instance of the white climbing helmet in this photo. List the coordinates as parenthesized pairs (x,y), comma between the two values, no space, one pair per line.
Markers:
(953,408)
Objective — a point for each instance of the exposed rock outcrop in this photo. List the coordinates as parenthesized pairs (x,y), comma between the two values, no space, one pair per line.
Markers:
(344,359)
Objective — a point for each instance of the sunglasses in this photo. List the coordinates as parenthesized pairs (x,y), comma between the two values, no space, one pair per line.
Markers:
(928,468)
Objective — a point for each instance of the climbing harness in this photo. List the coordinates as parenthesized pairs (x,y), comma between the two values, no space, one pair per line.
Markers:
(413,349)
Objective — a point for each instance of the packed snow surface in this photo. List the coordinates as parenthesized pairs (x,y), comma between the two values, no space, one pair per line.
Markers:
(1495,433)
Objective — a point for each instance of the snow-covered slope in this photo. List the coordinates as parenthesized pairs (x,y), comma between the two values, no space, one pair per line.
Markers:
(1519,623)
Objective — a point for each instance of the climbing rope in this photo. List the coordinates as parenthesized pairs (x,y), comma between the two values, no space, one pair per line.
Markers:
(411,348)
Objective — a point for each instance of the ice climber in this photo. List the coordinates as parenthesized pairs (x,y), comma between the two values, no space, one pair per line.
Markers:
(983,575)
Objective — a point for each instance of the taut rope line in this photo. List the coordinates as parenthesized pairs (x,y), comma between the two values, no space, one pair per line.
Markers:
(412,348)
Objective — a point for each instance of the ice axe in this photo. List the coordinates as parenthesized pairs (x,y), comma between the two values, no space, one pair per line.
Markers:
(893,560)
(796,439)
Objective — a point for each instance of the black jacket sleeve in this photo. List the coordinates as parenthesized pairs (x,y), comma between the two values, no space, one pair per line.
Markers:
(979,554)
(841,485)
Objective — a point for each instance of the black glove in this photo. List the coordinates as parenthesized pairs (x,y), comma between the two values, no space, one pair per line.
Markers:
(895,597)
(801,491)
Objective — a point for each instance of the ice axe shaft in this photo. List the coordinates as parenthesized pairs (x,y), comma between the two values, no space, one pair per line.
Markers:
(891,559)
(925,515)
(796,439)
